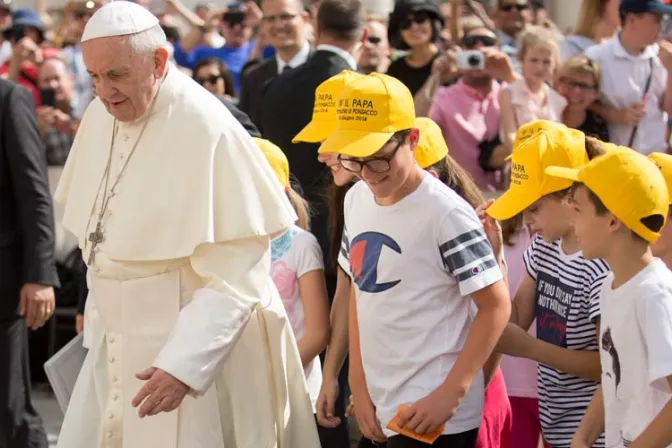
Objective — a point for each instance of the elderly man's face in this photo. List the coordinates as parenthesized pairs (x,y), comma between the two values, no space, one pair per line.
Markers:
(124,81)
(54,75)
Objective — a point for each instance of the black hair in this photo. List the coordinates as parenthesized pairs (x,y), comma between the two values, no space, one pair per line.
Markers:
(229,86)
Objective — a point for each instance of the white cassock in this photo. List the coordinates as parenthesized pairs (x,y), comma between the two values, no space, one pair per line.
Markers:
(181,282)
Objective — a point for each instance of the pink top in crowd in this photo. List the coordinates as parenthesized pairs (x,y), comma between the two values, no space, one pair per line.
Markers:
(467,118)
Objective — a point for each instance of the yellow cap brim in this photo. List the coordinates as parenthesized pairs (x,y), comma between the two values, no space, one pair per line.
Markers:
(511,203)
(355,143)
(563,172)
(314,132)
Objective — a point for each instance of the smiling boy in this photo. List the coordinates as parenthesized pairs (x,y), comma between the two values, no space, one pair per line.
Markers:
(418,257)
(618,221)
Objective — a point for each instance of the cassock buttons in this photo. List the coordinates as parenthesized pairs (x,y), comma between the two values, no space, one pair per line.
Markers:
(115,379)
(111,339)
(115,397)
(110,435)
(111,359)
(111,416)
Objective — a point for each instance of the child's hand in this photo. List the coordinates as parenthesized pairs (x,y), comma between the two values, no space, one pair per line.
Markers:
(428,414)
(365,413)
(350,410)
(492,228)
(326,403)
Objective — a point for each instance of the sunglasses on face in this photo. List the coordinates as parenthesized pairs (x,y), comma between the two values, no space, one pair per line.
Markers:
(375,164)
(374,40)
(511,6)
(580,85)
(473,40)
(212,79)
(418,18)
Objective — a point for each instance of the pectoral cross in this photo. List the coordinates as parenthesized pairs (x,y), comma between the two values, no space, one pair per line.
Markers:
(95,238)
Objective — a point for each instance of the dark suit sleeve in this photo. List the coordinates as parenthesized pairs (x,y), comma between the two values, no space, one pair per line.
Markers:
(245,101)
(242,118)
(28,170)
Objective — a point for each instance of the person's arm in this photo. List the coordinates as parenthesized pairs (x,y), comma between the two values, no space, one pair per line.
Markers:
(508,120)
(27,163)
(443,68)
(582,363)
(337,351)
(592,424)
(313,292)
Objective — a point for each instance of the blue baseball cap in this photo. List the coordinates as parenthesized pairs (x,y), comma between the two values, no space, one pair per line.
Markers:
(641,6)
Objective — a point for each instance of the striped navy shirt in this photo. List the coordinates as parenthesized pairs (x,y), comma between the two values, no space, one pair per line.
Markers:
(567,306)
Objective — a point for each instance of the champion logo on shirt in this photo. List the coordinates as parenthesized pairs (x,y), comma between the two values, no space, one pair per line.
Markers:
(365,250)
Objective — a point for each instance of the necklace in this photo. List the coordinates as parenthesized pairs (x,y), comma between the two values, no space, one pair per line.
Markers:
(98,236)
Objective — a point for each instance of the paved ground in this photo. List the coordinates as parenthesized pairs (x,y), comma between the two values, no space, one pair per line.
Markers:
(45,403)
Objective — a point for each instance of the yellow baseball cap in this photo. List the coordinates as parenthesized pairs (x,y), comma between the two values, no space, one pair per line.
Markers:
(324,111)
(664,162)
(370,110)
(276,158)
(555,145)
(431,147)
(629,185)
(533,127)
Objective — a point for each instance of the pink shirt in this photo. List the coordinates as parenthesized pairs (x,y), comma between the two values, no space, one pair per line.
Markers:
(468,118)
(520,374)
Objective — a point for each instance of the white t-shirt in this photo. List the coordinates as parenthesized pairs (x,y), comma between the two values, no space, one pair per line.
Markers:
(294,254)
(414,265)
(636,351)
(623,81)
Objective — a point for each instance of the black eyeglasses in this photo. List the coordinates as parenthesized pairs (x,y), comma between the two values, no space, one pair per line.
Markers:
(511,6)
(472,40)
(580,85)
(374,40)
(375,164)
(212,79)
(419,18)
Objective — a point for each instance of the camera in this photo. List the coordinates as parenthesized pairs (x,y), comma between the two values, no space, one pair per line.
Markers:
(470,60)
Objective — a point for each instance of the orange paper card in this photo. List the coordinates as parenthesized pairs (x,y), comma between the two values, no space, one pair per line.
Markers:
(428,438)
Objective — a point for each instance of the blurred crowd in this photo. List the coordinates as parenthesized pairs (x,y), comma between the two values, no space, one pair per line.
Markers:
(480,70)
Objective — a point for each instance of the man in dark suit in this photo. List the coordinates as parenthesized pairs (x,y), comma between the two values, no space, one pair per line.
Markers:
(288,106)
(284,26)
(27,269)
(242,118)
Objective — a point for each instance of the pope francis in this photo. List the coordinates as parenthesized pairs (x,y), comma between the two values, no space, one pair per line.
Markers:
(173,205)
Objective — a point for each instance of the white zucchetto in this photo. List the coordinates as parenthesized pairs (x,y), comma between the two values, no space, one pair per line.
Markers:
(118,18)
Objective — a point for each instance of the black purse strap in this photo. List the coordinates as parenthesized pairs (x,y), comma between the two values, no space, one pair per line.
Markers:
(646,90)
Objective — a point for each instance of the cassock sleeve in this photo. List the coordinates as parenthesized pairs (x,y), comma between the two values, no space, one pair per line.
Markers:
(235,275)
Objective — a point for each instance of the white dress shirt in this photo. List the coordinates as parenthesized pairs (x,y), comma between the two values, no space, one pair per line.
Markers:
(298,59)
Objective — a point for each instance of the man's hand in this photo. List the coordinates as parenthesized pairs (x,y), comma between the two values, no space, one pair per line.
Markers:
(27,50)
(515,342)
(445,66)
(630,115)
(498,65)
(326,404)
(365,413)
(428,414)
(665,54)
(37,304)
(350,409)
(161,393)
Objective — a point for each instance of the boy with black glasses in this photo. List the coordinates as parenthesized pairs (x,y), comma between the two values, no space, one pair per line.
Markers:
(419,260)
